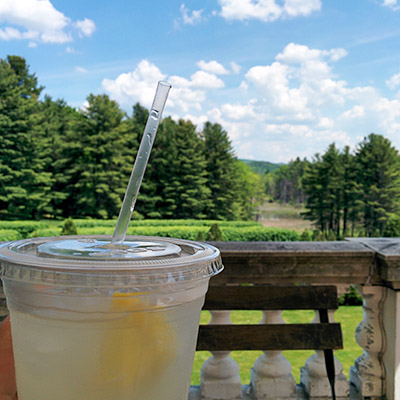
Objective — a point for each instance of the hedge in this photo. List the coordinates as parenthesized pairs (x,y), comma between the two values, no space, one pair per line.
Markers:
(183,229)
(91,223)
(9,234)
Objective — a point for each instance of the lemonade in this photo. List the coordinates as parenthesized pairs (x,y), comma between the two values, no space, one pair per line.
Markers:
(94,321)
(133,357)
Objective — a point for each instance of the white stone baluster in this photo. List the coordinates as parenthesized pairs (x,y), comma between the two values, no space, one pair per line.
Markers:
(271,376)
(314,377)
(368,373)
(220,373)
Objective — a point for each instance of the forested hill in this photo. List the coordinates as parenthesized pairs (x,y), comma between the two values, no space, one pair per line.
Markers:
(262,167)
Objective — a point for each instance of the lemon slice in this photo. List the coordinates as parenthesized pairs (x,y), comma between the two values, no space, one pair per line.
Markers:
(139,345)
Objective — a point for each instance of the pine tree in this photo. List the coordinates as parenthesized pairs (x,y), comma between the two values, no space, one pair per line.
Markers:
(222,177)
(378,174)
(146,204)
(181,175)
(24,187)
(95,159)
(351,192)
(323,186)
(54,119)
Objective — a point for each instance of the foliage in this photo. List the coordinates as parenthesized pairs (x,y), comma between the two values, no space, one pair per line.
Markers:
(215,234)
(222,178)
(9,234)
(392,228)
(378,173)
(184,229)
(25,186)
(69,228)
(306,236)
(351,298)
(262,167)
(57,161)
(285,184)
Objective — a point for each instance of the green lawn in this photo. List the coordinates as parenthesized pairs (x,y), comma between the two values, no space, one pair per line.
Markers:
(348,316)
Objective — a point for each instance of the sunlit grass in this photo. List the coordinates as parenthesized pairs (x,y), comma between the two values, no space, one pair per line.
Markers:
(349,317)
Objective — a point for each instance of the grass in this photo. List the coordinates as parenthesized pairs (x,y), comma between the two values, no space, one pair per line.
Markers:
(275,215)
(348,316)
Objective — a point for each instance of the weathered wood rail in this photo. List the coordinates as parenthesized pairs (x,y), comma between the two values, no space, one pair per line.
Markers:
(373,265)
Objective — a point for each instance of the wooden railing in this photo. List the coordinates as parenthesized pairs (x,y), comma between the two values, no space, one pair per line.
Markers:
(373,265)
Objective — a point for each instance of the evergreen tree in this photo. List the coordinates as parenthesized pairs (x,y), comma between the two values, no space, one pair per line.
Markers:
(181,169)
(323,187)
(222,177)
(351,199)
(378,174)
(94,159)
(24,187)
(54,119)
(147,200)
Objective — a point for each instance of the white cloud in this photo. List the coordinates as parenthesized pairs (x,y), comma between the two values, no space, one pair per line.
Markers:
(393,82)
(214,67)
(135,86)
(81,70)
(37,20)
(202,79)
(266,10)
(355,112)
(293,105)
(236,68)
(295,8)
(86,26)
(393,4)
(138,86)
(190,17)
(238,111)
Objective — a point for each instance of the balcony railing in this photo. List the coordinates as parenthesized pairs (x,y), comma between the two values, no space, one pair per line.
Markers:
(373,265)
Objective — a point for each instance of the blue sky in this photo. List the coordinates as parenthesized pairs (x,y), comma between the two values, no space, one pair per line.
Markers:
(285,78)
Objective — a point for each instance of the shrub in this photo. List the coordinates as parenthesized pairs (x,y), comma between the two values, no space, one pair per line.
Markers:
(46,232)
(9,234)
(306,236)
(69,228)
(201,237)
(352,298)
(260,234)
(25,228)
(215,234)
(392,228)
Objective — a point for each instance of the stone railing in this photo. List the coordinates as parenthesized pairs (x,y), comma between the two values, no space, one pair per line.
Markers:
(373,265)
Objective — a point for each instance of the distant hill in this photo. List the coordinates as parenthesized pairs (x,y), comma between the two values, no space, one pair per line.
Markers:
(261,167)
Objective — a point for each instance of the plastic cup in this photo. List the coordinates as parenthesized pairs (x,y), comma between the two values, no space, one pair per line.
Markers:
(93,321)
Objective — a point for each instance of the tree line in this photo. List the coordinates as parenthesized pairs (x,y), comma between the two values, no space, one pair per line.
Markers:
(345,193)
(57,161)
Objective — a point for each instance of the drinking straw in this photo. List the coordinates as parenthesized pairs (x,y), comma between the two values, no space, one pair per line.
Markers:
(141,161)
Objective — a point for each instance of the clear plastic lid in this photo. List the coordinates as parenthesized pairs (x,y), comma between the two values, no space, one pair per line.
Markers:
(94,261)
